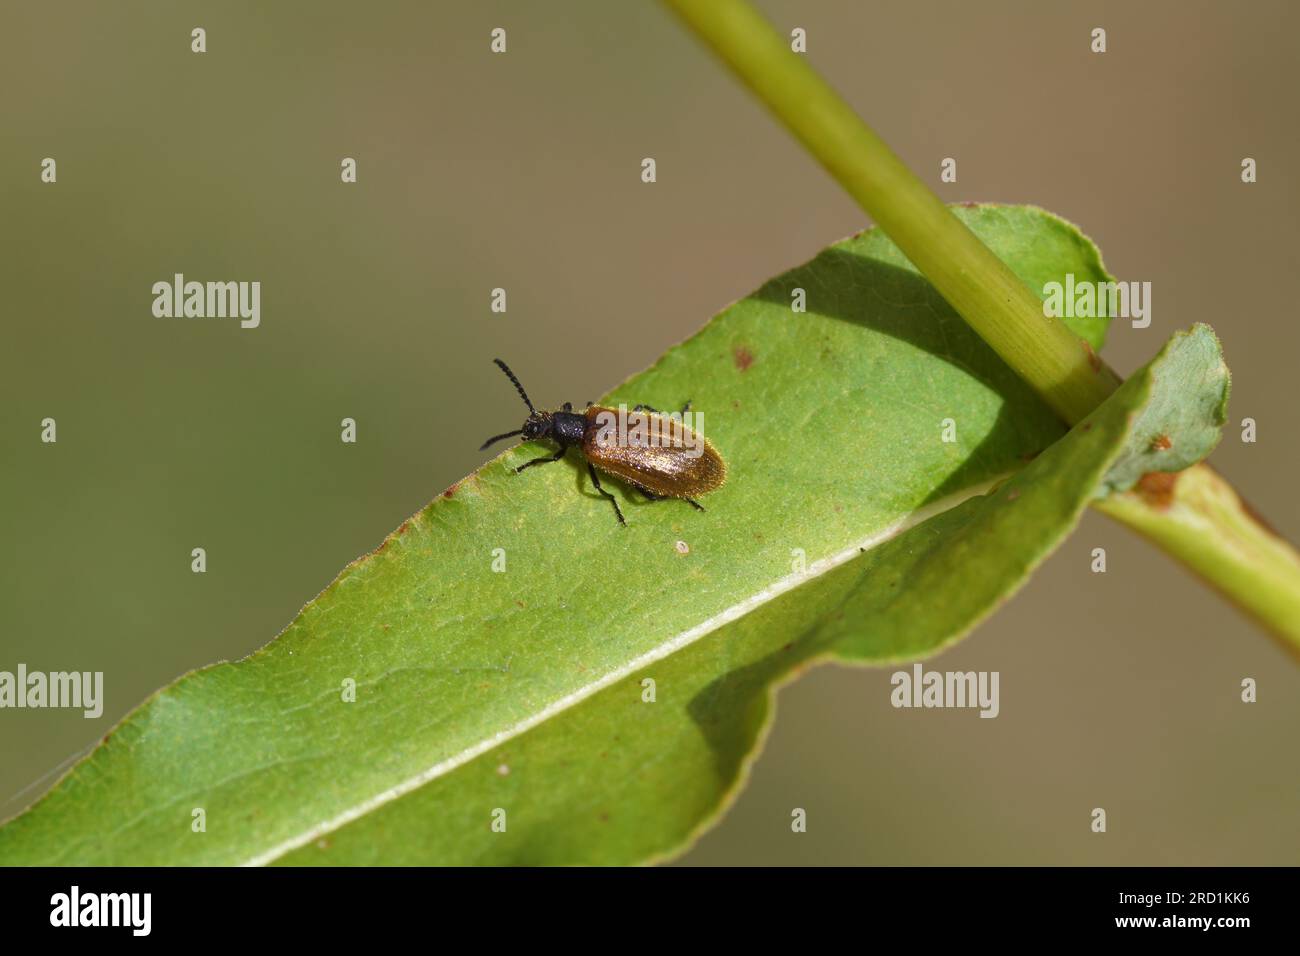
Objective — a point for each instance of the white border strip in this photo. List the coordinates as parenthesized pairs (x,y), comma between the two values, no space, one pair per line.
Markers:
(671,646)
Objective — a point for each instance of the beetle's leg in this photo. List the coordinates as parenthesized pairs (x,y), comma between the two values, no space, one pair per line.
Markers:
(591,470)
(543,460)
(651,496)
(685,408)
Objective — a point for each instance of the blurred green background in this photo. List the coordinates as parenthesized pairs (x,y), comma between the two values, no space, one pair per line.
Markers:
(522,171)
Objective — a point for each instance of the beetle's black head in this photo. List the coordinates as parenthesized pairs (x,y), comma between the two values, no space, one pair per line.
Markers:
(537,425)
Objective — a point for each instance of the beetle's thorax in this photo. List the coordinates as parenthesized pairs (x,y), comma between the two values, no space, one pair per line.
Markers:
(568,428)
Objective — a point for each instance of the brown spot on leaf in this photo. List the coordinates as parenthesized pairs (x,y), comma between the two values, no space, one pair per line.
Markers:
(969,204)
(452,490)
(1156,488)
(743,357)
(1161,442)
(1013,494)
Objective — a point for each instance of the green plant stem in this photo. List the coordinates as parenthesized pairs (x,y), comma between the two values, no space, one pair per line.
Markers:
(1205,524)
(1202,521)
(1001,308)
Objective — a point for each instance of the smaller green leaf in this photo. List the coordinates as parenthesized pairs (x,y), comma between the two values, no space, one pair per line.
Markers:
(1182,422)
(907,604)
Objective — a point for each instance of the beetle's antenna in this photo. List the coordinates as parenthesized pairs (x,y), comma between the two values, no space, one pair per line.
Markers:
(517,431)
(522,394)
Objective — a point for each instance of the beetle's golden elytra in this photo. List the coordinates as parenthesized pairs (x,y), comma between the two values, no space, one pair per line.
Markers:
(685,469)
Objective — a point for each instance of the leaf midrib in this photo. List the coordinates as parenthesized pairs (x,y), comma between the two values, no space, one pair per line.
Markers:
(667,648)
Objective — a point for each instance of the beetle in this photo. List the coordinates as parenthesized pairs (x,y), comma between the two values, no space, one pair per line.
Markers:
(657,471)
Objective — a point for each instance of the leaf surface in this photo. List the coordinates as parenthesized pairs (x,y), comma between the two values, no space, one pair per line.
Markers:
(847,528)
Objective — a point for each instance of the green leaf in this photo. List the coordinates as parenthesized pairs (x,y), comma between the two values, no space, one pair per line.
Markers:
(1183,421)
(847,527)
